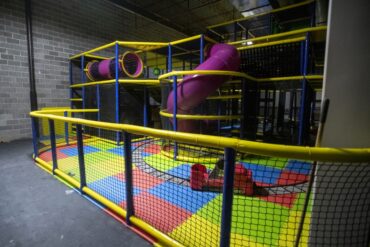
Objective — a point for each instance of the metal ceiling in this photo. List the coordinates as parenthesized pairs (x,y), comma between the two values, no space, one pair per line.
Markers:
(189,17)
(253,7)
(263,17)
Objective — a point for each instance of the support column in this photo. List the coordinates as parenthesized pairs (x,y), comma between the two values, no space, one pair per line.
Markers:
(81,157)
(128,176)
(340,214)
(53,145)
(117,91)
(227,197)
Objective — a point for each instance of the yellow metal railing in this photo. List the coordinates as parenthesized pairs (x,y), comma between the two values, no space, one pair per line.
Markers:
(279,42)
(323,154)
(199,117)
(161,237)
(123,81)
(138,45)
(265,149)
(278,36)
(240,75)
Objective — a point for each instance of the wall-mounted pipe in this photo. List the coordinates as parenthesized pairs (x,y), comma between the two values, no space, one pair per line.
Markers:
(321,12)
(31,66)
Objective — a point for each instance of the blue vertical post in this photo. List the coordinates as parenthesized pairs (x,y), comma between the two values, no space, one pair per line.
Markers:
(52,144)
(146,94)
(83,79)
(291,115)
(174,88)
(70,83)
(175,113)
(227,196)
(128,176)
(229,111)
(81,158)
(302,114)
(117,89)
(98,105)
(169,59)
(66,134)
(34,137)
(201,50)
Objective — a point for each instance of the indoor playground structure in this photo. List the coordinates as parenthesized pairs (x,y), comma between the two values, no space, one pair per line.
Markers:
(203,141)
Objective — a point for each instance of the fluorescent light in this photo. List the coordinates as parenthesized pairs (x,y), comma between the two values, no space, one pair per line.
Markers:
(249,43)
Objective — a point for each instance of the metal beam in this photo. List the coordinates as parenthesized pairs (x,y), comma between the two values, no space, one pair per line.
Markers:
(128,6)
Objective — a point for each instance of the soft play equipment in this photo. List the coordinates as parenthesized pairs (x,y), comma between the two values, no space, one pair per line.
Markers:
(129,64)
(201,180)
(196,88)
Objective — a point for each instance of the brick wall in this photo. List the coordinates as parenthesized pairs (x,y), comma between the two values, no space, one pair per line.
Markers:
(60,29)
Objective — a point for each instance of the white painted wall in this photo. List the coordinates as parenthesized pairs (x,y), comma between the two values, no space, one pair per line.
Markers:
(340,214)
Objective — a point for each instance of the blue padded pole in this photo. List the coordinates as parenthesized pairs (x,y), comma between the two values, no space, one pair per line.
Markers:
(70,83)
(128,176)
(302,114)
(227,196)
(117,90)
(146,94)
(81,158)
(175,103)
(66,135)
(169,59)
(174,88)
(201,50)
(83,79)
(34,137)
(53,145)
(98,104)
(175,113)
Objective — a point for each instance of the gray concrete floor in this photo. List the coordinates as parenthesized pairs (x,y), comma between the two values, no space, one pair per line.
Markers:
(38,210)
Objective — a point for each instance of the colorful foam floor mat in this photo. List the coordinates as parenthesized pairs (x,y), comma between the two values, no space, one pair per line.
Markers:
(193,218)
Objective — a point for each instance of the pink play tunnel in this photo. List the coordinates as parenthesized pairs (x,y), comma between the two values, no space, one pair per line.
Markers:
(129,64)
(194,89)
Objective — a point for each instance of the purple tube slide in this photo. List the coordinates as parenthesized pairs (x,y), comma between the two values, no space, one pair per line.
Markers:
(129,64)
(194,89)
